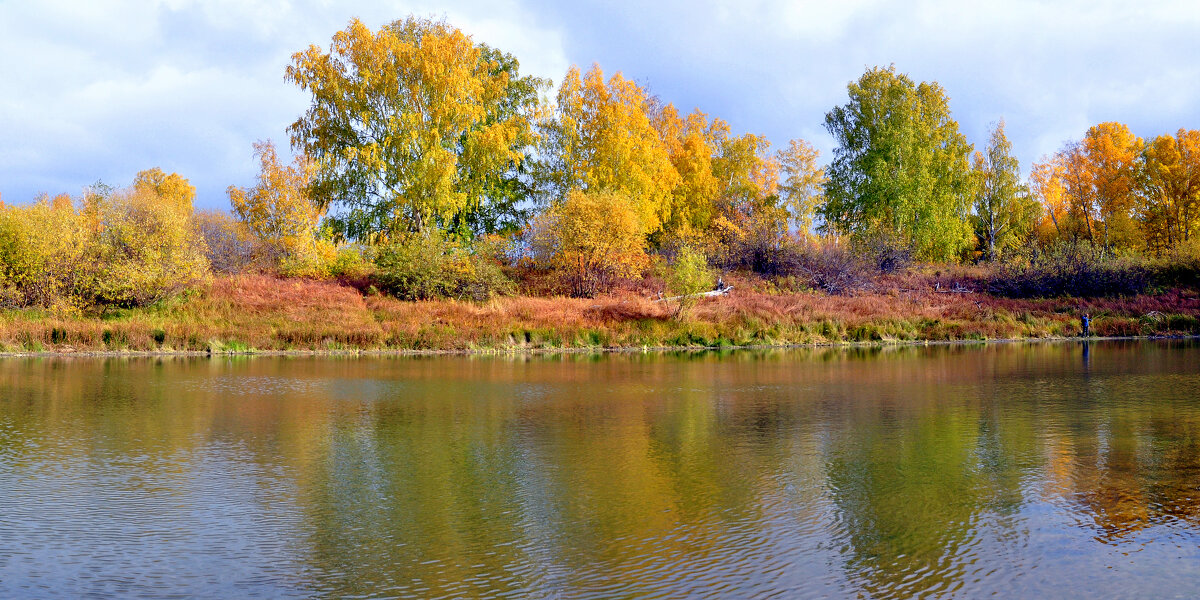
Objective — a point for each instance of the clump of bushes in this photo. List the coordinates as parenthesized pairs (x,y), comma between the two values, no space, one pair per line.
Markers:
(830,267)
(121,248)
(592,239)
(423,266)
(1071,272)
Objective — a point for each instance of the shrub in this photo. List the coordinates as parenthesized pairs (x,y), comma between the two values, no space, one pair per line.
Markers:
(1071,272)
(686,276)
(145,249)
(830,267)
(591,240)
(44,254)
(231,247)
(432,265)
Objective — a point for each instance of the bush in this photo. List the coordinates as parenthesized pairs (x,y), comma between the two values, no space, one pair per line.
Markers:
(145,250)
(591,240)
(231,247)
(44,255)
(686,276)
(431,265)
(1074,272)
(830,267)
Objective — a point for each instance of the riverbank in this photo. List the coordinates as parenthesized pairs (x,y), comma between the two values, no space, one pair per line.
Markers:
(269,315)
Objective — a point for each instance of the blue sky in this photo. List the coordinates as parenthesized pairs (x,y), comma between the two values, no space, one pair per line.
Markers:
(102,89)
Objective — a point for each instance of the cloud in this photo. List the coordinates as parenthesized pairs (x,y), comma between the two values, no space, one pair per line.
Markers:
(104,89)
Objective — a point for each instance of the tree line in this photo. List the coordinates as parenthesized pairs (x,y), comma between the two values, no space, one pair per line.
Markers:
(427,163)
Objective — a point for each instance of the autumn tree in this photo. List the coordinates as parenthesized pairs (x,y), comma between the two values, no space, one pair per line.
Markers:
(413,126)
(690,146)
(592,238)
(900,168)
(1004,210)
(602,140)
(278,209)
(802,182)
(1055,222)
(169,187)
(1100,179)
(145,247)
(1169,203)
(44,254)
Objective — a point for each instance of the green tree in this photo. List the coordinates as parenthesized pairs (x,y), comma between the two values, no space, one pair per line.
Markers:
(1004,209)
(414,126)
(900,167)
(687,276)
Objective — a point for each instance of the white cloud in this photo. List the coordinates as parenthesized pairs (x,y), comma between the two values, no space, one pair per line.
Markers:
(109,87)
(105,89)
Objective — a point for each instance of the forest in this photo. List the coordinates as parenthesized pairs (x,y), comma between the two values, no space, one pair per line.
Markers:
(439,199)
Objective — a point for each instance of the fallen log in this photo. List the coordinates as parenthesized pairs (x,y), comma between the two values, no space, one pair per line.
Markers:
(720,292)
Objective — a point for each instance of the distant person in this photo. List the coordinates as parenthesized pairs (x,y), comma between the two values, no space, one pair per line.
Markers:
(1087,324)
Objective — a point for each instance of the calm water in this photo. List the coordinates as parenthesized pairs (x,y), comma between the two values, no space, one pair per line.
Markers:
(1019,470)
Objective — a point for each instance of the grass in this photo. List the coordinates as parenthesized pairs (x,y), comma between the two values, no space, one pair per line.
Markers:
(260,313)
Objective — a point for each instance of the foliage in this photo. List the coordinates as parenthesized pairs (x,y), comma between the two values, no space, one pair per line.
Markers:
(802,183)
(1169,182)
(1004,211)
(413,126)
(145,249)
(1099,177)
(603,140)
(44,254)
(168,187)
(123,248)
(278,208)
(687,276)
(592,238)
(899,168)
(423,266)
(691,145)
(1071,270)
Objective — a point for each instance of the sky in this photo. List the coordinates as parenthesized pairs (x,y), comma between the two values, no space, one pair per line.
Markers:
(101,89)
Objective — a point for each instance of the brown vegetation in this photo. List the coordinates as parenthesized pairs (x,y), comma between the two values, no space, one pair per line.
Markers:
(265,313)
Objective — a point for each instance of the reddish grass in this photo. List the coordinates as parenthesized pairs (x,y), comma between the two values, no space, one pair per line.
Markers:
(268,313)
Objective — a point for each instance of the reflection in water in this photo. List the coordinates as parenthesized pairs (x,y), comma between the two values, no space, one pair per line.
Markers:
(1017,470)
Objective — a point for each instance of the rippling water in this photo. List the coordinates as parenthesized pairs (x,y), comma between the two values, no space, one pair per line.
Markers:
(1043,470)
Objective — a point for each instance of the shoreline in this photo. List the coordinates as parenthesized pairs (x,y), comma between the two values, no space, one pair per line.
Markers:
(266,316)
(399,353)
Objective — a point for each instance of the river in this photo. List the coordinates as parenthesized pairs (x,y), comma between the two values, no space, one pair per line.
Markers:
(1023,470)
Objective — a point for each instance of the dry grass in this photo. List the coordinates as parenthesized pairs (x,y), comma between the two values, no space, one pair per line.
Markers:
(266,313)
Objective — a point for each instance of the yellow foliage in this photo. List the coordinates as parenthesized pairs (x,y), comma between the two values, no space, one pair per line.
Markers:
(1100,179)
(171,189)
(409,124)
(1046,183)
(603,140)
(688,145)
(129,248)
(1170,205)
(592,238)
(43,254)
(146,249)
(803,182)
(280,211)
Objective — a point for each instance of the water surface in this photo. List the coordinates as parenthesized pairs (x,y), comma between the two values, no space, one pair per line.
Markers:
(1024,470)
